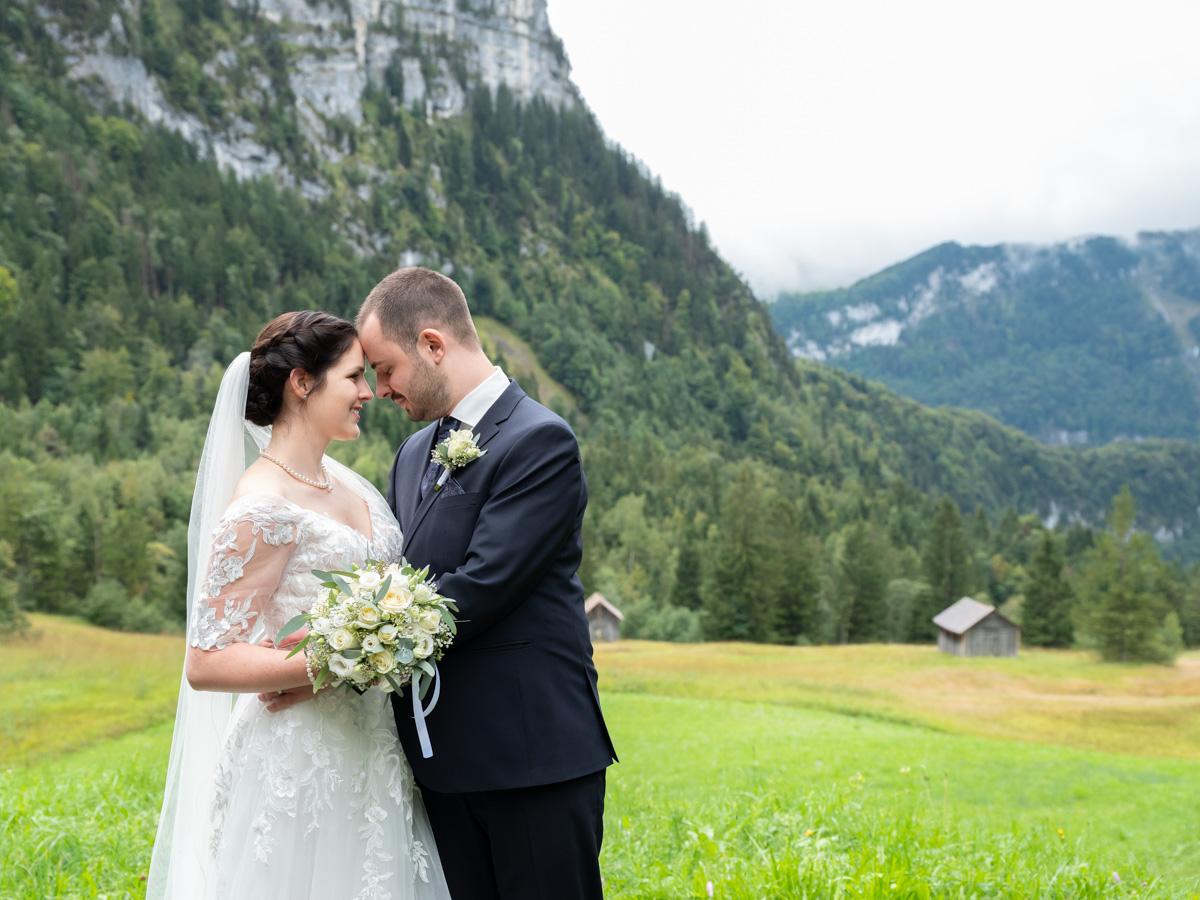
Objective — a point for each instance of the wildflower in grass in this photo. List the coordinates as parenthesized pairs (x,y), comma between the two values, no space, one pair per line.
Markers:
(1061,836)
(709,887)
(1116,878)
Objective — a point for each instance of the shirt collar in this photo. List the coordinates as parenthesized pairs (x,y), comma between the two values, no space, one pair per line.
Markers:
(472,408)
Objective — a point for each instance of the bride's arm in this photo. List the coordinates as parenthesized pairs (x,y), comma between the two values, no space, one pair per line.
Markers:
(244,669)
(249,557)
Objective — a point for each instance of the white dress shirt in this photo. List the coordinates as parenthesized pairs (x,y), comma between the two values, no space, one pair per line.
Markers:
(473,407)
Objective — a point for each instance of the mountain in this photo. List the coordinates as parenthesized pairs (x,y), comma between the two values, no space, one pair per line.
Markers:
(1078,343)
(173,175)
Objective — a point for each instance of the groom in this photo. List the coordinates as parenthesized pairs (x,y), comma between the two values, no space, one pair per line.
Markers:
(515,786)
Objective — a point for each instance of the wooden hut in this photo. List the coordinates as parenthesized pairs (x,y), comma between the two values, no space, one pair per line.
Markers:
(604,619)
(970,628)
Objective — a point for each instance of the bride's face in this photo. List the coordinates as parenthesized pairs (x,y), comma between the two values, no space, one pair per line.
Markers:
(333,409)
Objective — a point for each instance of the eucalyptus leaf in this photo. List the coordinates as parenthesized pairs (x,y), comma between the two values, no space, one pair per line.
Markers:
(425,666)
(394,682)
(319,681)
(342,585)
(383,589)
(294,624)
(300,646)
(404,655)
(323,575)
(352,653)
(426,684)
(404,643)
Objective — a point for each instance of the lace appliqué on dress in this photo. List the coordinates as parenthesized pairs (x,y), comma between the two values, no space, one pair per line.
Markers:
(230,601)
(333,762)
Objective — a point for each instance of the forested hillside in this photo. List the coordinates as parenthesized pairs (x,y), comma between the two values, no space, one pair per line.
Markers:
(1079,343)
(733,493)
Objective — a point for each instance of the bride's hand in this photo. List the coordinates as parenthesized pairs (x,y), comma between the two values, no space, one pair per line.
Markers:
(277,701)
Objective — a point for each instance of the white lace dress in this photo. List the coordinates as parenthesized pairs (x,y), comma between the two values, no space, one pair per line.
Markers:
(316,801)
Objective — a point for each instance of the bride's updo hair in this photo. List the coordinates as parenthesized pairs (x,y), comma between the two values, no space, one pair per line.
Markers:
(305,340)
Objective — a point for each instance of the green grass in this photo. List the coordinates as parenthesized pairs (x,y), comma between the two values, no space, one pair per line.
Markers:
(1060,697)
(69,685)
(83,826)
(763,797)
(766,801)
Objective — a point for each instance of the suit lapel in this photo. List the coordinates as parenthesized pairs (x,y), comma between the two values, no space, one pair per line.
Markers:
(488,428)
(412,473)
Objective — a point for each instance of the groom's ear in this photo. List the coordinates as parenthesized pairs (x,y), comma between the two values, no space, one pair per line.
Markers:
(433,342)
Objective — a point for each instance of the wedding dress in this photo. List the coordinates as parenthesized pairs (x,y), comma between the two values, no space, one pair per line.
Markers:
(315,801)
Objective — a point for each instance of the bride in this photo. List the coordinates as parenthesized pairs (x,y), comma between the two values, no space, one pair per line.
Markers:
(316,801)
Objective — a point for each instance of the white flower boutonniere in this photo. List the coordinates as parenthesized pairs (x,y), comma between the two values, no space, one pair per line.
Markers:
(455,452)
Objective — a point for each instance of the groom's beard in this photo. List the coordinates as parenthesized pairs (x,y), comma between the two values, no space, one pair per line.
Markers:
(428,393)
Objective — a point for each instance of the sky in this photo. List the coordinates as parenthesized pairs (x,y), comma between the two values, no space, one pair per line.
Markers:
(823,141)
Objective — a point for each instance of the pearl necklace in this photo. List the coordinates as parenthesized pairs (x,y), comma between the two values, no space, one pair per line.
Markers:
(326,485)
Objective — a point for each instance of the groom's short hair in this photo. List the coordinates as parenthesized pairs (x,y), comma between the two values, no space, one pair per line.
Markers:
(410,300)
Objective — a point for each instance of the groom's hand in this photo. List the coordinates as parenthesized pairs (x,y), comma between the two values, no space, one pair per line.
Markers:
(287,643)
(277,701)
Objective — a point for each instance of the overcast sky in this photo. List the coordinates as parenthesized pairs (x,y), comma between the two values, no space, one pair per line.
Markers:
(823,141)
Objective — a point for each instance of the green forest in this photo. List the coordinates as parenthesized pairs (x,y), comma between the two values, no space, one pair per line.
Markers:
(735,493)
(1069,338)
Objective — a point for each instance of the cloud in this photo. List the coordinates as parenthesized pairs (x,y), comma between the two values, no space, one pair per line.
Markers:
(817,140)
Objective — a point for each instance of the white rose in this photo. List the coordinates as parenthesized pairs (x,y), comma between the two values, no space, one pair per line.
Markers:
(422,593)
(322,625)
(388,632)
(422,644)
(368,616)
(370,580)
(340,666)
(341,638)
(383,661)
(339,618)
(458,449)
(372,644)
(430,622)
(398,599)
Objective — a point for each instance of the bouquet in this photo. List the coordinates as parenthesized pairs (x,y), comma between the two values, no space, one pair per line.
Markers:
(379,626)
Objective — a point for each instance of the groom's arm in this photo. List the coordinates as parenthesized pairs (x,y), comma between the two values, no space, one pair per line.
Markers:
(535,504)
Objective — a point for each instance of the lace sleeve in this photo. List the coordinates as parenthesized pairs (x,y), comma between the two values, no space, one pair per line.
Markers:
(251,547)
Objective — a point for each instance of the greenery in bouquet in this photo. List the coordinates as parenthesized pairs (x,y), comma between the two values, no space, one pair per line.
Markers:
(374,626)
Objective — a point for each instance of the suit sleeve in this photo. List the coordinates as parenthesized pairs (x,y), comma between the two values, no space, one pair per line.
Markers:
(531,512)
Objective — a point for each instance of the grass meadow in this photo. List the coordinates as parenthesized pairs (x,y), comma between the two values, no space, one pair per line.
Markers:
(757,772)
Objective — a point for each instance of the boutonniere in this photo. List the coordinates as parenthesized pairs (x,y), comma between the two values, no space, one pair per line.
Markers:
(455,452)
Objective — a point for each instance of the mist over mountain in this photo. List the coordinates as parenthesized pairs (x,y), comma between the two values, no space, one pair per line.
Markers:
(1077,343)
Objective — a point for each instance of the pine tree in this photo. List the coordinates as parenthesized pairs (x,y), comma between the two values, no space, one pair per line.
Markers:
(862,585)
(945,567)
(740,598)
(686,592)
(1047,608)
(1119,580)
(800,585)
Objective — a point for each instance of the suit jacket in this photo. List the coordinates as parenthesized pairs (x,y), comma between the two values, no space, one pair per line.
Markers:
(519,705)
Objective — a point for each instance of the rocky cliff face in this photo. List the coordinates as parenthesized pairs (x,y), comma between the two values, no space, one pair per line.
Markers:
(436,49)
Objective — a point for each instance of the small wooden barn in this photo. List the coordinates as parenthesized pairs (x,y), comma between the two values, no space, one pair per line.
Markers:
(970,628)
(604,619)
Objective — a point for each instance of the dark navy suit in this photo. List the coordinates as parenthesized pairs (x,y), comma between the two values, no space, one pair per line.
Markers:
(515,786)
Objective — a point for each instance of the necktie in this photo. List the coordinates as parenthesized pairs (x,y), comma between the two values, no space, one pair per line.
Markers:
(434,469)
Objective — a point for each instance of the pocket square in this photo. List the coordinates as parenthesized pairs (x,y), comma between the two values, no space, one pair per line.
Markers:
(451,488)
